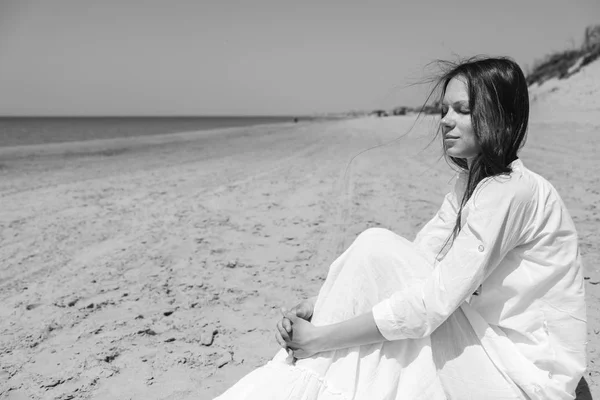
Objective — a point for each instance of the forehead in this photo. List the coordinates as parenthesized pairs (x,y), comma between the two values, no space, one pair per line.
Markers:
(456,90)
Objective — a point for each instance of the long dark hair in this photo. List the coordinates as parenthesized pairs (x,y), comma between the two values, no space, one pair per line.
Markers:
(499,104)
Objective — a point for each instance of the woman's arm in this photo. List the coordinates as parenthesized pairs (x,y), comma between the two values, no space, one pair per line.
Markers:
(496,218)
(358,331)
(306,339)
(494,225)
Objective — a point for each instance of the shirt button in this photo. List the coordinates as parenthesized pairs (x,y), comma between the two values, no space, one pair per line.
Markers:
(481,248)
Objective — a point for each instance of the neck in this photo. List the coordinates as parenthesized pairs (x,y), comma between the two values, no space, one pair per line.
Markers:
(469,162)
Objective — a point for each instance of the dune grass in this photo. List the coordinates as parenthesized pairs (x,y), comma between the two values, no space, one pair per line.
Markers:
(563,64)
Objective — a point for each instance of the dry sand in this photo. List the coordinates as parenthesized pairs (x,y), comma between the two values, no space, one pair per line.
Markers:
(153,268)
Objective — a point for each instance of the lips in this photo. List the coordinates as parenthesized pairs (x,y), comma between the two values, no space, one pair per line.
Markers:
(451,137)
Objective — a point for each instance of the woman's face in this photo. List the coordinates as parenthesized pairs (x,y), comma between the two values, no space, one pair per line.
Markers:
(457,130)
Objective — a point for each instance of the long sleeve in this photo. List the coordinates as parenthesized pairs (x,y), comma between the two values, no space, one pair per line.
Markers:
(494,219)
(432,237)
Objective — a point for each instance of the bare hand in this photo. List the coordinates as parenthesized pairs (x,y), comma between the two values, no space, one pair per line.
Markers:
(302,338)
(303,310)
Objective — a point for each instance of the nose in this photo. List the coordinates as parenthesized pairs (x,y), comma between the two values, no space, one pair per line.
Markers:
(448,122)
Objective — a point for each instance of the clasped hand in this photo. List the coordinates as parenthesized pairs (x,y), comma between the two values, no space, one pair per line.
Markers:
(296,334)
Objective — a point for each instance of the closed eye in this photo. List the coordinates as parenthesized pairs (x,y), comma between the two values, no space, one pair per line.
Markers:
(460,110)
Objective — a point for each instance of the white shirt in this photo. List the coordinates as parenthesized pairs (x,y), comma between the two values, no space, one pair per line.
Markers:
(518,249)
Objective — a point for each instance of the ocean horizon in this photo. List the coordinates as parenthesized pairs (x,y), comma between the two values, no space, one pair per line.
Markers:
(22,131)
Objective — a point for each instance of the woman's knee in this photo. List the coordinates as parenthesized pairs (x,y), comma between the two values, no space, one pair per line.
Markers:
(377,243)
(371,233)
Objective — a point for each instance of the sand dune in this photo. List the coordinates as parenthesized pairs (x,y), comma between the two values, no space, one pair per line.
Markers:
(574,99)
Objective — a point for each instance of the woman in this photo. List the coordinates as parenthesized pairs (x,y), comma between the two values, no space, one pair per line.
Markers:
(486,303)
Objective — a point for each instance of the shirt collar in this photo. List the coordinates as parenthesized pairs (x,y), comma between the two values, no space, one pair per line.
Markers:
(517,164)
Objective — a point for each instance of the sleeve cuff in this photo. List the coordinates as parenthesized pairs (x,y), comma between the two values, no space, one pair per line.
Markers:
(385,320)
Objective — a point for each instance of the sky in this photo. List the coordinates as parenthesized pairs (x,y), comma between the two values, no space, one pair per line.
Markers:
(258,57)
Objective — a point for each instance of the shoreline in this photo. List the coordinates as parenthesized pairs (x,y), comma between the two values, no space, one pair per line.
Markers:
(17,131)
(105,144)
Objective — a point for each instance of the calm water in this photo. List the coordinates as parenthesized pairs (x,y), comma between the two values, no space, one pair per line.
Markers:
(17,131)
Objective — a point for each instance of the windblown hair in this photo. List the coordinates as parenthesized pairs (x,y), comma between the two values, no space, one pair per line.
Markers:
(499,104)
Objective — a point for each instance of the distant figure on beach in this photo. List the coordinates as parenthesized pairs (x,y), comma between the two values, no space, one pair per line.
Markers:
(487,302)
(379,113)
(295,120)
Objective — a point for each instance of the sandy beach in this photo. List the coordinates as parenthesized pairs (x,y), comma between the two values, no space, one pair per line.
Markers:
(154,268)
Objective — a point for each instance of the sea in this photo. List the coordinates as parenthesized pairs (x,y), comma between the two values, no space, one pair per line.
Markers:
(21,131)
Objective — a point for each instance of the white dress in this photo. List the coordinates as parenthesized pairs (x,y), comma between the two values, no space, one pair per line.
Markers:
(500,314)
